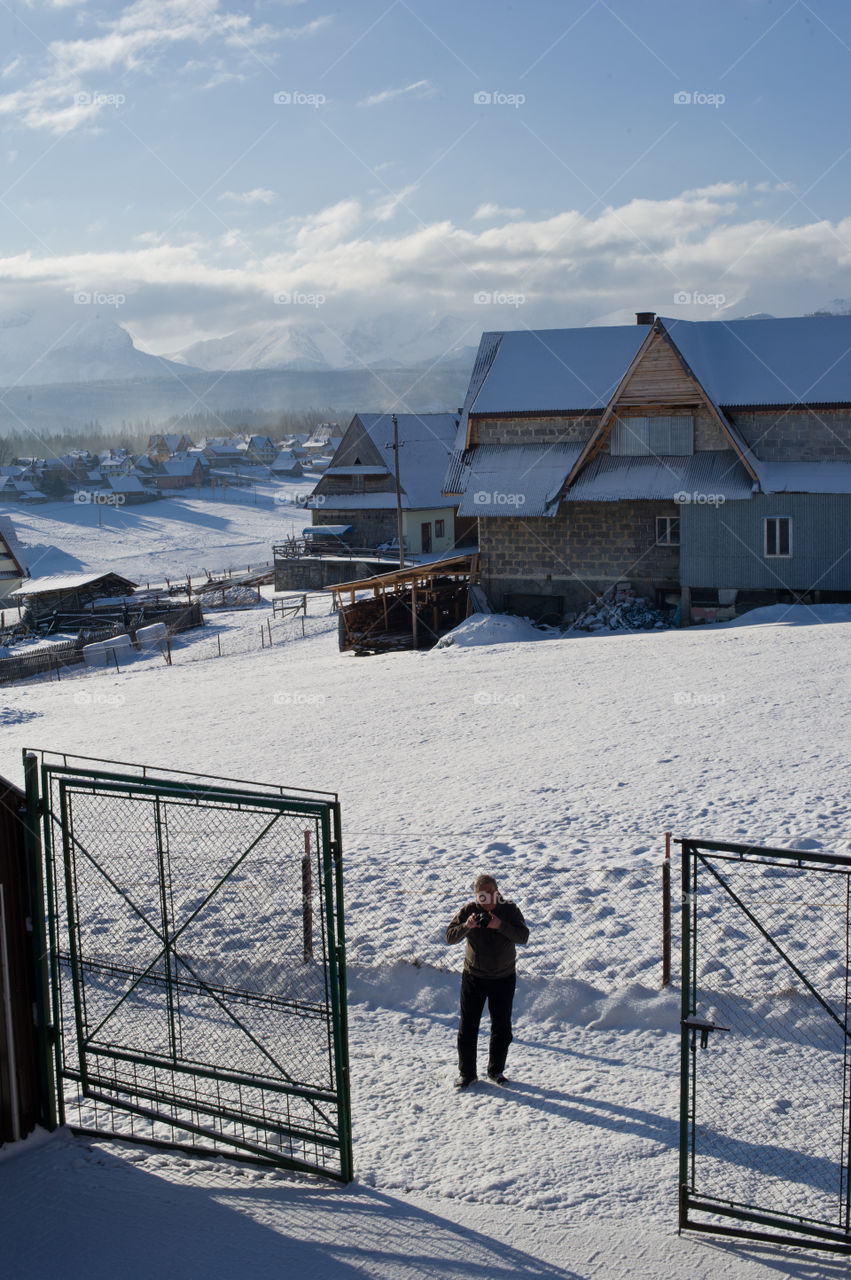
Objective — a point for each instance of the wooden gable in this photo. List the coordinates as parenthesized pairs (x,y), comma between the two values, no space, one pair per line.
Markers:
(658,378)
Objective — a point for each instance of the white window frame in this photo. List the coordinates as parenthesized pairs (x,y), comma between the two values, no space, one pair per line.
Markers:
(776,555)
(667,540)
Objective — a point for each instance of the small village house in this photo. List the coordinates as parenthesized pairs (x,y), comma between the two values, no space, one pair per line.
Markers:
(359,487)
(162,447)
(13,567)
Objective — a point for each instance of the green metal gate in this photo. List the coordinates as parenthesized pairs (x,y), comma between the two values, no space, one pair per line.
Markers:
(765,1129)
(195,960)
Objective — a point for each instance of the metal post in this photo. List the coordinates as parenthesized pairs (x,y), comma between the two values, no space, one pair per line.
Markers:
(47,1087)
(684,1031)
(666,913)
(307,899)
(10,1030)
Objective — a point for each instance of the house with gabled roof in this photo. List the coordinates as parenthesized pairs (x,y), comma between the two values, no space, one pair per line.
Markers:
(707,462)
(164,446)
(359,487)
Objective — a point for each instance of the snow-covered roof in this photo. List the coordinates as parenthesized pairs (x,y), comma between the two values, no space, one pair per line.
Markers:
(284,461)
(516,479)
(805,477)
(126,484)
(697,477)
(427,440)
(798,360)
(65,582)
(385,500)
(802,359)
(557,370)
(179,466)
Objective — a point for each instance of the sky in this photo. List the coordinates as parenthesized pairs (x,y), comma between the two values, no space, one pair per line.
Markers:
(192,167)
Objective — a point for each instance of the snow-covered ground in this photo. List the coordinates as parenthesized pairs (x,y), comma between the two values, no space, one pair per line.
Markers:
(545,762)
(175,536)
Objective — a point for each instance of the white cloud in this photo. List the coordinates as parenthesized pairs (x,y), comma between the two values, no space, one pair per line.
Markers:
(386,208)
(420,89)
(570,267)
(133,41)
(258,195)
(489,211)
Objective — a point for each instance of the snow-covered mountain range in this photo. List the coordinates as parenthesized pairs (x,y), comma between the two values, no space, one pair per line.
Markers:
(40,348)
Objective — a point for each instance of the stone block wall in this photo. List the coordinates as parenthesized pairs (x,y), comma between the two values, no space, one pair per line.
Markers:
(532,430)
(805,435)
(584,550)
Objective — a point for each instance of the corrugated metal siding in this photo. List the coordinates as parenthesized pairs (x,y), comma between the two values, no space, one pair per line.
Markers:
(516,480)
(723,546)
(710,473)
(638,437)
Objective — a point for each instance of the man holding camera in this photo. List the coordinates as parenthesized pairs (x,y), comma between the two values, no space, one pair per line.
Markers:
(491,927)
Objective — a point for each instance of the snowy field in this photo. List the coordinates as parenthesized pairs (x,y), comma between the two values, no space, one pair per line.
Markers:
(541,761)
(171,538)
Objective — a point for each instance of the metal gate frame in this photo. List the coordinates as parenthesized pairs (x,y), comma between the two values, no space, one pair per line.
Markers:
(768,1225)
(49,839)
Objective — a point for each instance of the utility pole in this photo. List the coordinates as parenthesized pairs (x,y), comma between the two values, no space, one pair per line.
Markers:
(396,446)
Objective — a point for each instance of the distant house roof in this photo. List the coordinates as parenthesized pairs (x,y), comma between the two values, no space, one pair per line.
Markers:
(427,440)
(179,466)
(126,484)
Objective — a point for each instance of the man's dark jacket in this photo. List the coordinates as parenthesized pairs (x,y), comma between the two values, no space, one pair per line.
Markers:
(490,953)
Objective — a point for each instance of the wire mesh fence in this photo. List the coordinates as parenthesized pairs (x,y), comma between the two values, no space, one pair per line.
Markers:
(191,962)
(604,925)
(769,1076)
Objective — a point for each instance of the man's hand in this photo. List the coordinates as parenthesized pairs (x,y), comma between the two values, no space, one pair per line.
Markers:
(494,922)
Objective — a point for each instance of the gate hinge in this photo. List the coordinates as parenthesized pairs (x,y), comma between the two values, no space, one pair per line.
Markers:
(704,1026)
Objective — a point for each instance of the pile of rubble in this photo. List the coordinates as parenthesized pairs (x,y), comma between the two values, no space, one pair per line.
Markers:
(622,610)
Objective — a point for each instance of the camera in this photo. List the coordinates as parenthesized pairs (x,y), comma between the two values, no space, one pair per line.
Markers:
(481,919)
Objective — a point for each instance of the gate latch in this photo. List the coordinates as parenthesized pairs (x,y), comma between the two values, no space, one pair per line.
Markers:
(704,1026)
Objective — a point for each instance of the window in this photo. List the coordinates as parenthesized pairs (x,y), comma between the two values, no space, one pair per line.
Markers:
(778,535)
(439,529)
(640,437)
(358,484)
(667,531)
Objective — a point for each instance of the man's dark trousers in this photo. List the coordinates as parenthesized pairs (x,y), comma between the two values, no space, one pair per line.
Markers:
(499,994)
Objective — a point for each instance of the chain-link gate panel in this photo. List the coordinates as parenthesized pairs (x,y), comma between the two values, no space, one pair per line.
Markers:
(766,1040)
(197,963)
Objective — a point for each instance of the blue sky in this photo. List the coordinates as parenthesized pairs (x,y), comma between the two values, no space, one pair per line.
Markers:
(542,164)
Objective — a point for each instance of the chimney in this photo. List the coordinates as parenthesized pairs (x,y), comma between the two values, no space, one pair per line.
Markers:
(645,317)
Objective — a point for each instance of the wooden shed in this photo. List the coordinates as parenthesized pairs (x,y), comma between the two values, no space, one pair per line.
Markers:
(408,609)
